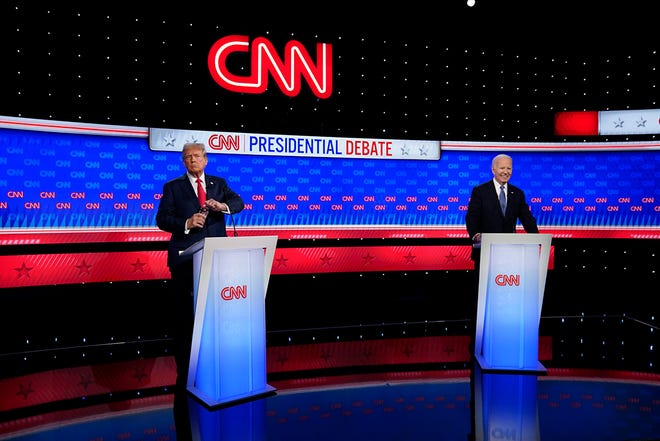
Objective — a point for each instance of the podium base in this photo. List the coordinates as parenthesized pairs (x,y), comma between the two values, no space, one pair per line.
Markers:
(212,402)
(486,367)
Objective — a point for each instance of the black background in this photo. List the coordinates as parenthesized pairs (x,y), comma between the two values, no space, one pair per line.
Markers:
(438,71)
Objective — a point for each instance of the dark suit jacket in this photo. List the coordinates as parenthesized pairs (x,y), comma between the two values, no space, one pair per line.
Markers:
(485,216)
(179,202)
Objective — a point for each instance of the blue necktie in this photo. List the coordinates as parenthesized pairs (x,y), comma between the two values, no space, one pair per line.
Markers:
(502,199)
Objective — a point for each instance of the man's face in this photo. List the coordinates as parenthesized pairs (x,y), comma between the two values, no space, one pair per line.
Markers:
(502,170)
(195,161)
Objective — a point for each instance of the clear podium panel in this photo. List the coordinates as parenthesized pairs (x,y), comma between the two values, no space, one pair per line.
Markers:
(228,354)
(234,324)
(511,321)
(511,285)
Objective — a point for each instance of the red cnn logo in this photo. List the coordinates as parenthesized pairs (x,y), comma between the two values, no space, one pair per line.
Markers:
(264,60)
(507,280)
(233,292)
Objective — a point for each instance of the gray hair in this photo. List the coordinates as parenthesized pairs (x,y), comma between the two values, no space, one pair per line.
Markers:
(193,145)
(498,157)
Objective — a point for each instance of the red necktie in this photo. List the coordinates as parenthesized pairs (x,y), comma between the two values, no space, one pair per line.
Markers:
(201,194)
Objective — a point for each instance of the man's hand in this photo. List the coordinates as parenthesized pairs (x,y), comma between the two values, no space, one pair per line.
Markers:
(197,220)
(214,205)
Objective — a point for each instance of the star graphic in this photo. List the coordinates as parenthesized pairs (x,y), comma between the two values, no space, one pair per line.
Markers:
(138,266)
(325,260)
(368,258)
(410,258)
(404,151)
(169,140)
(451,257)
(83,268)
(85,381)
(641,122)
(25,390)
(281,261)
(408,351)
(23,271)
(367,353)
(618,124)
(423,151)
(282,358)
(325,356)
(139,374)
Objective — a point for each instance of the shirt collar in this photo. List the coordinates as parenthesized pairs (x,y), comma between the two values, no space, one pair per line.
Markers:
(193,179)
(497,185)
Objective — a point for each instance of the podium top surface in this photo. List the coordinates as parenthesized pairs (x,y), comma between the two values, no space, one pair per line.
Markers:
(516,238)
(231,242)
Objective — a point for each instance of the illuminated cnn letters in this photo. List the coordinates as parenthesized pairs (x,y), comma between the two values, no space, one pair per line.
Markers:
(233,292)
(264,60)
(507,280)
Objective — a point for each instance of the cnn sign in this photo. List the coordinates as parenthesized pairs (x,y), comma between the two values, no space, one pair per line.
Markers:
(234,292)
(507,280)
(298,66)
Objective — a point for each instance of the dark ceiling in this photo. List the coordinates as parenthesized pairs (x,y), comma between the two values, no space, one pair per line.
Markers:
(486,73)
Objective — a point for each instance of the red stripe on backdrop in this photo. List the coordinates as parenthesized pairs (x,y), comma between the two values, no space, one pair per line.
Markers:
(86,381)
(576,123)
(394,351)
(74,268)
(49,237)
(366,259)
(102,379)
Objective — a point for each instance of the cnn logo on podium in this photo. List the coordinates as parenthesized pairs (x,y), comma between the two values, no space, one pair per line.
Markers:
(234,292)
(507,280)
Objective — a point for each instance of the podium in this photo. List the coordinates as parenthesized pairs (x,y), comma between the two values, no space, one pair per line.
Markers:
(512,277)
(228,352)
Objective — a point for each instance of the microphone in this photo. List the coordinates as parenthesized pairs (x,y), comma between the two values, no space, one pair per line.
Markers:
(231,216)
(233,224)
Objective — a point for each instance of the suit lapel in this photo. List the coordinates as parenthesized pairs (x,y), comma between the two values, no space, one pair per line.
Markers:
(496,199)
(188,186)
(211,187)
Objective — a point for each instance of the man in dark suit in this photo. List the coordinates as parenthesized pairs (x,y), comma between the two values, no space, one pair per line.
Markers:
(191,211)
(485,213)
(495,206)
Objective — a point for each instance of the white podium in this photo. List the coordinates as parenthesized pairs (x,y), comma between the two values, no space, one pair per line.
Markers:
(512,277)
(228,353)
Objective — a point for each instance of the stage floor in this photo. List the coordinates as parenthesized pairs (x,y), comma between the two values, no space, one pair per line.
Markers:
(425,405)
(392,382)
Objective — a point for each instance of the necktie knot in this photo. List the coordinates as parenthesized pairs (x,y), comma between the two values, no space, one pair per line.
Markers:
(201,193)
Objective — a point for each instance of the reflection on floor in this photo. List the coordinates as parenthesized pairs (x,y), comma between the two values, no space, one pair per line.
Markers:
(394,382)
(447,405)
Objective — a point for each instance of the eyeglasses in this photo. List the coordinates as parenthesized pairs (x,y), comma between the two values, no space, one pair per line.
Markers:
(190,157)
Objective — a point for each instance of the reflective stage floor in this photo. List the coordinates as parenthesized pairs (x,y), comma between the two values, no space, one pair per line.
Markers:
(412,382)
(422,405)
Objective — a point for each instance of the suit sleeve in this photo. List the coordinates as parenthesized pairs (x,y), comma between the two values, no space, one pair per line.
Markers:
(233,200)
(166,216)
(474,213)
(527,220)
